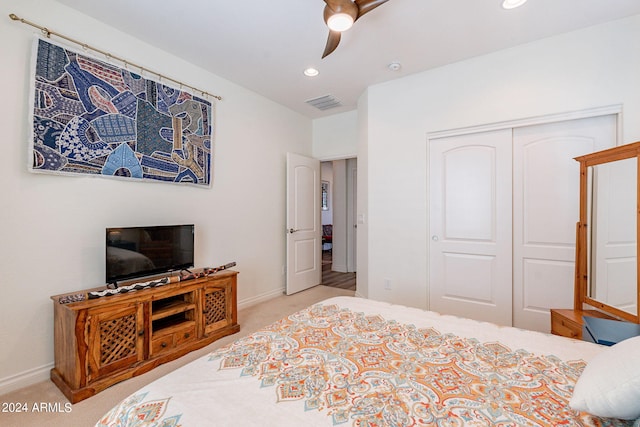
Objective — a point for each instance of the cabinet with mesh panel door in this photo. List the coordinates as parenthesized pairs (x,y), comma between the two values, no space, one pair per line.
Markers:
(114,339)
(216,311)
(101,341)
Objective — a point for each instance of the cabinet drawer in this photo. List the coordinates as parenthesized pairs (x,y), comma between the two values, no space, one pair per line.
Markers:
(172,340)
(565,327)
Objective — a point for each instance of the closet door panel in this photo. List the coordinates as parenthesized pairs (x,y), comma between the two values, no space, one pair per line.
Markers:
(547,187)
(545,212)
(469,176)
(470,226)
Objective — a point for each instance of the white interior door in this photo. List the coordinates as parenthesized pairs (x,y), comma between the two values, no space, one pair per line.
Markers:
(304,233)
(470,226)
(545,211)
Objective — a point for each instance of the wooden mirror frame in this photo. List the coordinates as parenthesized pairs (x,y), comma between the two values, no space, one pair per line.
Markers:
(581,295)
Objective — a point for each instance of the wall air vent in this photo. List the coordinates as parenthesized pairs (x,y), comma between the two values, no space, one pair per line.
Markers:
(324,102)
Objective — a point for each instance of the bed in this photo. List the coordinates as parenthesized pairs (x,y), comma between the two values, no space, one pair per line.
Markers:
(350,361)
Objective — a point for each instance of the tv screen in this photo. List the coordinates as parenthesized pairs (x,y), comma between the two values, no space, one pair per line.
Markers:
(133,252)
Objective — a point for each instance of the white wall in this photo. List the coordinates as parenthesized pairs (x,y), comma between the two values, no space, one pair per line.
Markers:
(340,220)
(52,227)
(595,67)
(336,137)
(362,198)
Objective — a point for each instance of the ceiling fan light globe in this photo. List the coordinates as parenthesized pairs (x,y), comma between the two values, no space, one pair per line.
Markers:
(340,22)
(512,4)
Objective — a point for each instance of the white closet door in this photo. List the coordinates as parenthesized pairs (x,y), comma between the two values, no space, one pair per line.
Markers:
(470,226)
(545,212)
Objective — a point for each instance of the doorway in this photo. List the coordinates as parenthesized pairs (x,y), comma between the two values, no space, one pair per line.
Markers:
(338,219)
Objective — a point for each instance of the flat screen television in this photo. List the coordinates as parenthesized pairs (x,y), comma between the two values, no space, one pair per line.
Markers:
(135,252)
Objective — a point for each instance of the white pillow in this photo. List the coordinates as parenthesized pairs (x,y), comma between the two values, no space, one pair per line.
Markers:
(610,384)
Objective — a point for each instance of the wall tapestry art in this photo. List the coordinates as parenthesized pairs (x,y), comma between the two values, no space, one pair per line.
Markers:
(93,117)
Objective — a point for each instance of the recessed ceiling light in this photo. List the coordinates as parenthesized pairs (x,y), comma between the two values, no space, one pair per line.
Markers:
(311,72)
(394,66)
(512,4)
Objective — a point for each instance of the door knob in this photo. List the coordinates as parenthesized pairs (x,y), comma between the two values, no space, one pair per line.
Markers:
(291,230)
(434,238)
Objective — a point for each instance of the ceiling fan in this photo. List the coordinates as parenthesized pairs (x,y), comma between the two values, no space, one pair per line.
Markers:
(340,15)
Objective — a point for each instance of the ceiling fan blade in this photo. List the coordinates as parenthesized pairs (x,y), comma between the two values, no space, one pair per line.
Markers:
(365,6)
(337,5)
(332,42)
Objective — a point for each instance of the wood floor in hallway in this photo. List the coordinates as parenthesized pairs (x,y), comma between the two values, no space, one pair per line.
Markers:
(336,279)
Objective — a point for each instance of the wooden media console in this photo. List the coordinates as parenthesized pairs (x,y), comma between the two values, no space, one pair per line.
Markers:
(101,341)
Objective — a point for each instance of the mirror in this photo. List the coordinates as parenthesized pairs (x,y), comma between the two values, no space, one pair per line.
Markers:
(324,202)
(607,241)
(612,262)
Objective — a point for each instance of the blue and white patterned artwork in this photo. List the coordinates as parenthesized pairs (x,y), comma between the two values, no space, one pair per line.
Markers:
(92,117)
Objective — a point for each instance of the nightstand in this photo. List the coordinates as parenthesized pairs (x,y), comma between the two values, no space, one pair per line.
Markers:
(606,331)
(568,322)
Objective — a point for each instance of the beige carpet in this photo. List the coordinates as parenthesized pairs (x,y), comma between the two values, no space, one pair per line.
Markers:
(87,412)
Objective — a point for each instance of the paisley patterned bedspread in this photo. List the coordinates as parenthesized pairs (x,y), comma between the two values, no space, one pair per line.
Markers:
(361,363)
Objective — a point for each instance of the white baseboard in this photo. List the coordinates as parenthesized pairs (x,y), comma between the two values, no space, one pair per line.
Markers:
(340,268)
(24,379)
(248,302)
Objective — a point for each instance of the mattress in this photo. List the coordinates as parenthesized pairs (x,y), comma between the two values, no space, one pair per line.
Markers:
(350,361)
